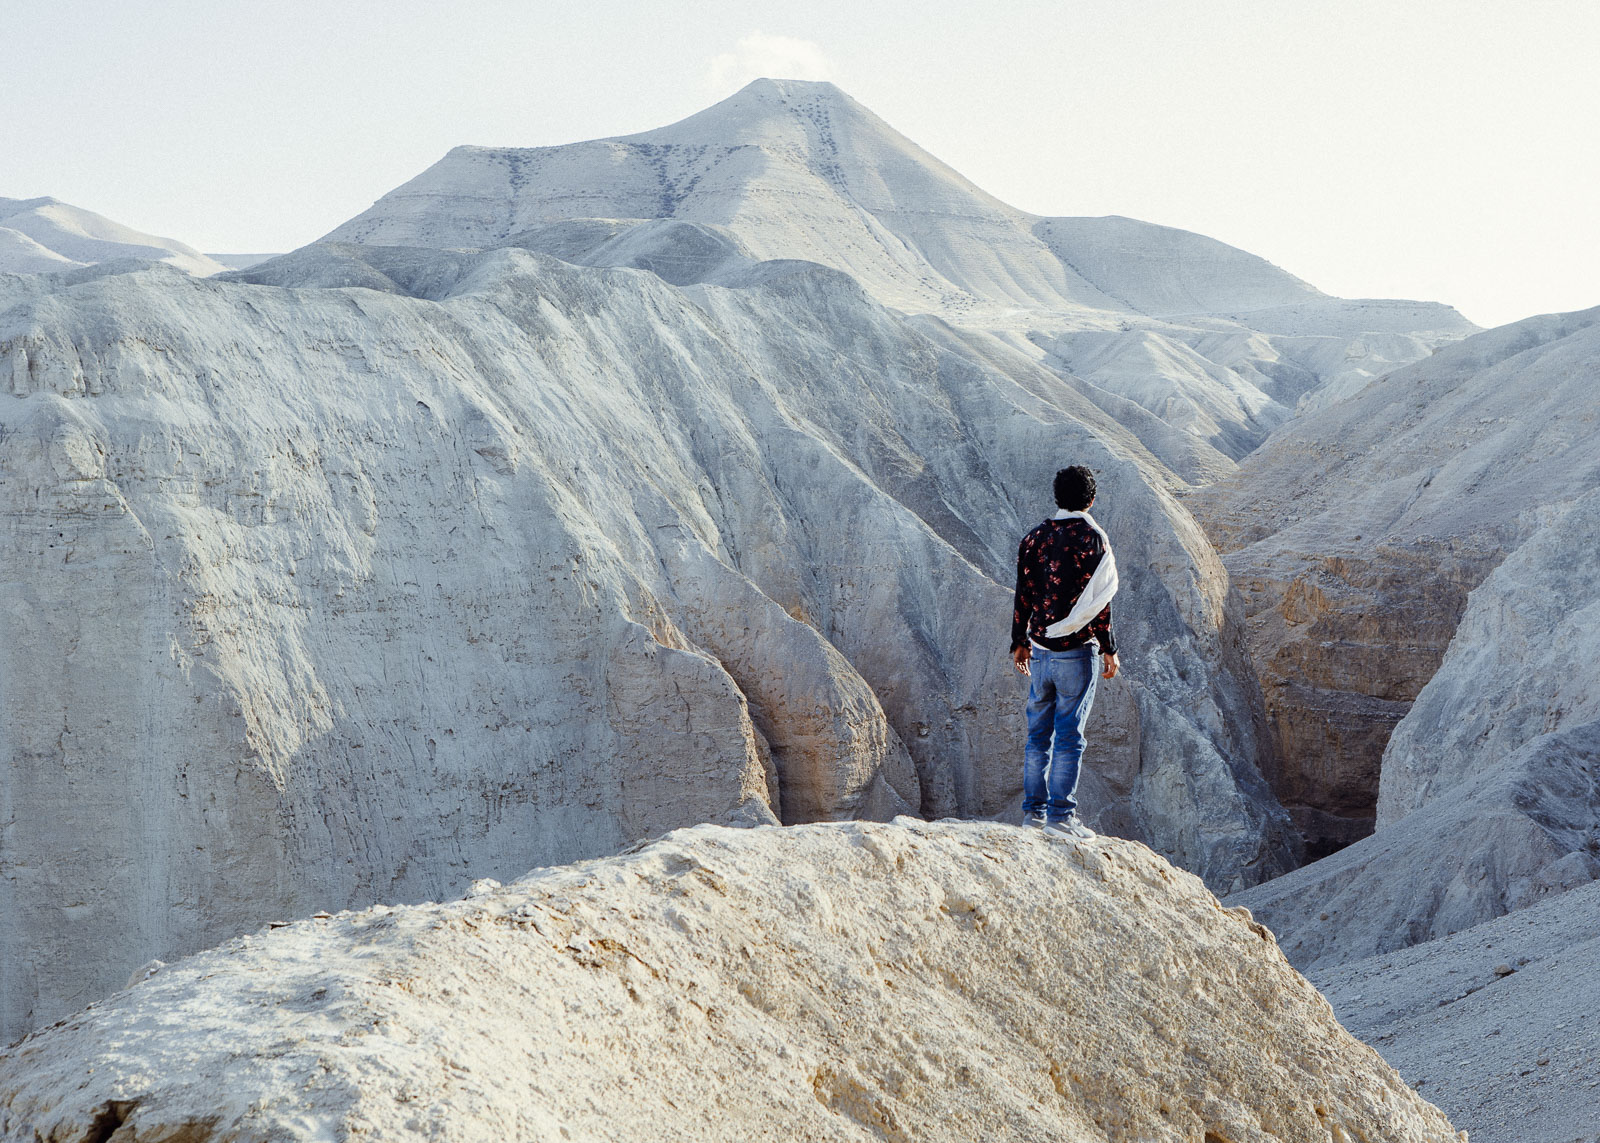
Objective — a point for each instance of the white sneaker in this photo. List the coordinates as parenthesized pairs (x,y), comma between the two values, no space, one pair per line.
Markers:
(1033,821)
(1071,827)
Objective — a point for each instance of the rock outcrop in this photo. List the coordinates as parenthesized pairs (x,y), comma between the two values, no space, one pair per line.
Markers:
(1357,533)
(1524,663)
(39,235)
(1490,794)
(835,982)
(323,596)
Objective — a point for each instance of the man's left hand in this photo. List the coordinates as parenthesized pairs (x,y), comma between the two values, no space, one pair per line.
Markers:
(1111,667)
(1019,659)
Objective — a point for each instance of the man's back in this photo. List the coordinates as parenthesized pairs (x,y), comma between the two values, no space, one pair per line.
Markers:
(1055,562)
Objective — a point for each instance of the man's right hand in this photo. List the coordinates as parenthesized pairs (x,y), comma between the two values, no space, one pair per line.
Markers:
(1019,659)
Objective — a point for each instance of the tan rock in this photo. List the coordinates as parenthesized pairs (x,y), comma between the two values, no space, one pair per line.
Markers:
(910,981)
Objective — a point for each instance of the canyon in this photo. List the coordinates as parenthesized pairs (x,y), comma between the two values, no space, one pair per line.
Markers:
(573,495)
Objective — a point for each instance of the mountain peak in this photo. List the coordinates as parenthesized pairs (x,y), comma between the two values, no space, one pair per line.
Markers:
(792,89)
(10,206)
(785,112)
(58,234)
(798,169)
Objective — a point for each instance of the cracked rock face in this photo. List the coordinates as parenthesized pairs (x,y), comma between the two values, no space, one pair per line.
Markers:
(910,981)
(1490,796)
(1356,534)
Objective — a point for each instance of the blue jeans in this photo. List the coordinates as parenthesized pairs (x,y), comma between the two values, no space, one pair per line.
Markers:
(1060,693)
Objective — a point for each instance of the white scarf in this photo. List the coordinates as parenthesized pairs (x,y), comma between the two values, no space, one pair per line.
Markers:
(1101,587)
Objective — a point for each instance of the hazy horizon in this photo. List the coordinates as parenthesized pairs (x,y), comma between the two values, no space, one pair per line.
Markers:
(1418,149)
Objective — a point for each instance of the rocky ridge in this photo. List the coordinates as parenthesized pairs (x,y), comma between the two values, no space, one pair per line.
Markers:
(836,982)
(1224,345)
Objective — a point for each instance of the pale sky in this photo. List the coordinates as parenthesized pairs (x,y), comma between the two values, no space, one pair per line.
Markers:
(1435,149)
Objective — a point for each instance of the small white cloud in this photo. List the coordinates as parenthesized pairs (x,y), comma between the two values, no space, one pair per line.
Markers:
(774,57)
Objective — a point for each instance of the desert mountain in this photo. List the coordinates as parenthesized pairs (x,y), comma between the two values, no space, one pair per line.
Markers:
(1227,343)
(43,234)
(920,981)
(412,566)
(584,512)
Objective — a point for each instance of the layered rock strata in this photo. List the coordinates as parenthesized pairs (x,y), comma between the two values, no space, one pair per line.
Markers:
(833,982)
(1490,794)
(1357,533)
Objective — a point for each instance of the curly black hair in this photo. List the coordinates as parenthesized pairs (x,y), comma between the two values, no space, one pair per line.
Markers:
(1074,488)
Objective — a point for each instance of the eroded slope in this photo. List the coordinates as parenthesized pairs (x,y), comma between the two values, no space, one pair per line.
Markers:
(1357,533)
(322,596)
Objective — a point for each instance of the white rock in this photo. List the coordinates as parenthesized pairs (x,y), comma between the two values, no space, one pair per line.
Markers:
(44,234)
(833,982)
(319,597)
(1525,662)
(1488,800)
(787,169)
(145,972)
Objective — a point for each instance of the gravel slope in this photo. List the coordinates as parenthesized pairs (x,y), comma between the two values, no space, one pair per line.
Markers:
(1511,1058)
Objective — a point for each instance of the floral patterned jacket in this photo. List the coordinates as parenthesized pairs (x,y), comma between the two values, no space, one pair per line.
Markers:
(1054,564)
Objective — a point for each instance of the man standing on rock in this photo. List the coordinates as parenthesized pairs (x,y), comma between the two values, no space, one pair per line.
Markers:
(1061,621)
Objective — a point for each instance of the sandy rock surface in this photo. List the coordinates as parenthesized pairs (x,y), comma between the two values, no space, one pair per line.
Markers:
(1357,532)
(1499,1026)
(911,981)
